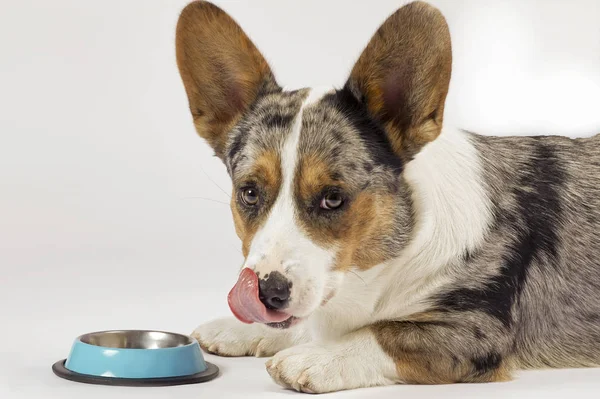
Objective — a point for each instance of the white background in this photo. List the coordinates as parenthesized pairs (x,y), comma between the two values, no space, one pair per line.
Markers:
(100,166)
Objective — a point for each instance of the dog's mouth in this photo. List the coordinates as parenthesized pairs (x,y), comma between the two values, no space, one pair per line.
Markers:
(246,305)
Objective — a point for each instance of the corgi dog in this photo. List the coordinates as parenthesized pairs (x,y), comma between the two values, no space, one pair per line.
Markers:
(380,245)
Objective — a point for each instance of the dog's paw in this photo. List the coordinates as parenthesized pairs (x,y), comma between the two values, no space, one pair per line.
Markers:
(230,337)
(305,368)
(321,368)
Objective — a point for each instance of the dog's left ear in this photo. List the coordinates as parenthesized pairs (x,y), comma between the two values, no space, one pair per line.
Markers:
(403,76)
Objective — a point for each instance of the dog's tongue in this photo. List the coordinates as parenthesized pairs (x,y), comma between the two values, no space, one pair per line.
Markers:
(246,306)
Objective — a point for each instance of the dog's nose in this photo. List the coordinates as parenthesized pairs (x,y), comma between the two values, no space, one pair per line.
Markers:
(274,291)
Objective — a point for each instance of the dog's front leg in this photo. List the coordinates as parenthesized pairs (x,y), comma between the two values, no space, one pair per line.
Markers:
(355,361)
(423,351)
(230,337)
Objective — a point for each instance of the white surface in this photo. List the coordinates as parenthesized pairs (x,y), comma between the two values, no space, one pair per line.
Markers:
(98,161)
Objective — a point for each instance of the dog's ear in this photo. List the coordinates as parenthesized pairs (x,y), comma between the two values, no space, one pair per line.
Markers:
(222,71)
(403,76)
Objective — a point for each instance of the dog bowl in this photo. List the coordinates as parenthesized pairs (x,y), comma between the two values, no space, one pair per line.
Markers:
(137,358)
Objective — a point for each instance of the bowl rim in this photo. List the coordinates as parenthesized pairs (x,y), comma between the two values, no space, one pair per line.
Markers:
(192,340)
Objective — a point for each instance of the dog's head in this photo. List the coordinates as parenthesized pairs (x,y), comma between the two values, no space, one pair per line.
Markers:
(317,174)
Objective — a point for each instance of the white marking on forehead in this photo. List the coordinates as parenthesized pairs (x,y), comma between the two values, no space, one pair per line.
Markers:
(316,94)
(289,153)
(280,225)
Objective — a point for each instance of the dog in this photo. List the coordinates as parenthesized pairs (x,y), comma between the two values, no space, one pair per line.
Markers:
(380,245)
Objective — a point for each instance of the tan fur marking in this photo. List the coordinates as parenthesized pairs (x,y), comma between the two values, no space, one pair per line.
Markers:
(431,349)
(358,233)
(221,69)
(428,367)
(313,176)
(244,230)
(266,170)
(369,218)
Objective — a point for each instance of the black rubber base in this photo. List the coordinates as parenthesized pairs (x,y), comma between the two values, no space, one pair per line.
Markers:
(60,370)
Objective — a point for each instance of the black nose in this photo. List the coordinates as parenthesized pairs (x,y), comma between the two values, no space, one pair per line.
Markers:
(274,290)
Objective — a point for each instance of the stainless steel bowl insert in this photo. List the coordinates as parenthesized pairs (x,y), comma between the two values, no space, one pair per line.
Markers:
(136,339)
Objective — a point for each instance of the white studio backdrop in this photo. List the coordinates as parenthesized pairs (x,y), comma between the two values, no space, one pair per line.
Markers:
(111,215)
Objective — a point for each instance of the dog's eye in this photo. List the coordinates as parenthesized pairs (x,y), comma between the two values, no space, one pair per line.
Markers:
(250,196)
(332,201)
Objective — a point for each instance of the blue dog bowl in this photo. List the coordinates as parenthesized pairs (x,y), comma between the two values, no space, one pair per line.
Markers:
(135,357)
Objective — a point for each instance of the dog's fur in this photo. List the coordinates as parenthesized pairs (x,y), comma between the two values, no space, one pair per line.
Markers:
(453,258)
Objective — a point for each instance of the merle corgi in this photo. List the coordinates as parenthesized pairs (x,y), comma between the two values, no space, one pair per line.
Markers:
(380,245)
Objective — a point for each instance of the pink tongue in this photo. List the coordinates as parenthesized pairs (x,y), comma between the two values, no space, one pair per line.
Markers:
(246,306)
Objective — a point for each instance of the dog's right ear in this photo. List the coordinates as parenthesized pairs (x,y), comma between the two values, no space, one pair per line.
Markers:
(222,71)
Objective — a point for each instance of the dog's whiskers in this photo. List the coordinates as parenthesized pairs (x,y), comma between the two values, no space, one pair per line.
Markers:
(236,248)
(214,182)
(206,199)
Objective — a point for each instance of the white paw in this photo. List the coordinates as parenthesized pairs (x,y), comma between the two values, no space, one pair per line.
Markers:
(230,337)
(321,368)
(305,368)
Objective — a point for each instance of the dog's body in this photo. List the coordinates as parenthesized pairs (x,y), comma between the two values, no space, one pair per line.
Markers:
(390,249)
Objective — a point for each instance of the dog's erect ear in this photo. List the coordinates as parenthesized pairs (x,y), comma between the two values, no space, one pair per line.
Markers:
(403,76)
(222,71)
